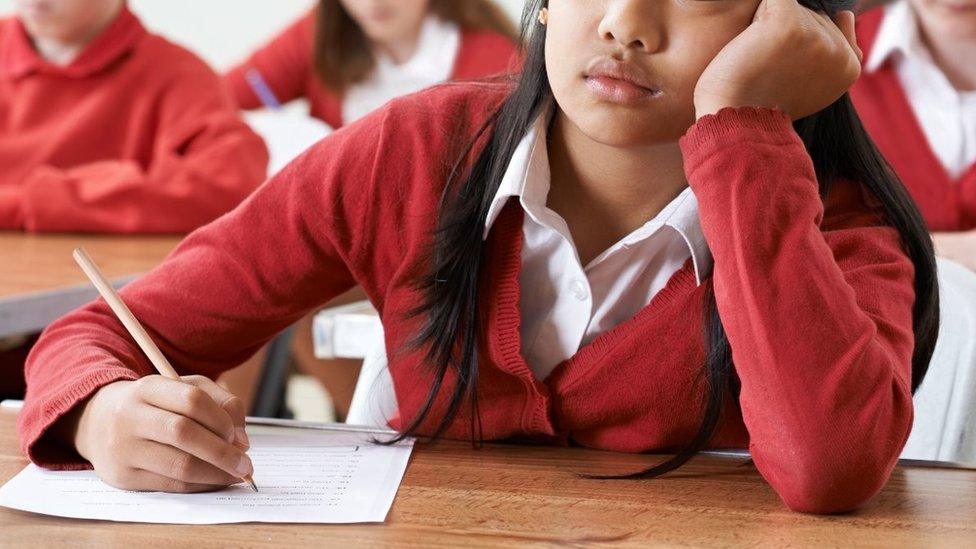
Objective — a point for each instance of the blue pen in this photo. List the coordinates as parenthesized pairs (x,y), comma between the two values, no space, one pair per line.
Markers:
(262,89)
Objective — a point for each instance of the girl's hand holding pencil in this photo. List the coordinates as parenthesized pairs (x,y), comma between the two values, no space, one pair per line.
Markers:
(163,432)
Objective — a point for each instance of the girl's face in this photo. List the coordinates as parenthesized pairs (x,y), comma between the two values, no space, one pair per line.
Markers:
(66,21)
(624,71)
(952,18)
(386,21)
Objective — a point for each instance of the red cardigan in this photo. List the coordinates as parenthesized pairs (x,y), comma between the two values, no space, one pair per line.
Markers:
(287,65)
(817,305)
(947,204)
(135,135)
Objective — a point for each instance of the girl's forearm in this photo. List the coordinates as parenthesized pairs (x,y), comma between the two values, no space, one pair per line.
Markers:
(820,329)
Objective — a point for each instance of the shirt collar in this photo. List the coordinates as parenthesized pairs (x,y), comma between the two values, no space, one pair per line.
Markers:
(18,58)
(899,34)
(528,178)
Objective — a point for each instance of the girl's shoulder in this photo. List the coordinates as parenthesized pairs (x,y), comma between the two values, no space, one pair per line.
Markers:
(375,185)
(476,100)
(406,148)
(444,119)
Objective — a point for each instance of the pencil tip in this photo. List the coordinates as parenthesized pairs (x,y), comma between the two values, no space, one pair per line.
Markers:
(250,482)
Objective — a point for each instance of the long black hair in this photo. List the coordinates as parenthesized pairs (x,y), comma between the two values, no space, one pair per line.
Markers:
(837,143)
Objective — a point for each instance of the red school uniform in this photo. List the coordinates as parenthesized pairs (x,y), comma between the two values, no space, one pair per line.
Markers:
(881,101)
(817,303)
(286,65)
(135,135)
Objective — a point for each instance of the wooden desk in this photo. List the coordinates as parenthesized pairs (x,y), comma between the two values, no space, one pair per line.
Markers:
(453,495)
(39,280)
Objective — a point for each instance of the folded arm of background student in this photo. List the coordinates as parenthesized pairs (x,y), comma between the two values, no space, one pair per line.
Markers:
(204,160)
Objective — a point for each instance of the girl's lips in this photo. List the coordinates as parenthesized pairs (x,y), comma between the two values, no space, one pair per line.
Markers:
(36,12)
(379,16)
(959,7)
(616,90)
(619,82)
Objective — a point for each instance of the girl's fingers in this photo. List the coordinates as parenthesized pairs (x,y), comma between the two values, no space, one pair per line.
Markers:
(841,28)
(188,401)
(187,435)
(228,402)
(778,6)
(174,464)
(140,480)
(845,21)
(761,10)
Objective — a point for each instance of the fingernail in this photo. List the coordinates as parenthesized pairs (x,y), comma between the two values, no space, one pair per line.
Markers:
(240,437)
(244,467)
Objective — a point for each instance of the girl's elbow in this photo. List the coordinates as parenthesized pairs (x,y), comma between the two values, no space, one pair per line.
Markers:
(823,491)
(844,469)
(830,500)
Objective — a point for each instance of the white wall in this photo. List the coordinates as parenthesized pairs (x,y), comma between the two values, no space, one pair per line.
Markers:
(223,31)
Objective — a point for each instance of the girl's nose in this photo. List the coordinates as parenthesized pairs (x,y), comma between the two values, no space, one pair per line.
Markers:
(634,24)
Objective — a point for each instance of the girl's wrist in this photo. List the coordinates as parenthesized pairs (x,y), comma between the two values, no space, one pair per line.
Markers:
(74,426)
(706,107)
(65,430)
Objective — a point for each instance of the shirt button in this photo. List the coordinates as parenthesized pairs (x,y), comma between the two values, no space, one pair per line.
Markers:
(579,290)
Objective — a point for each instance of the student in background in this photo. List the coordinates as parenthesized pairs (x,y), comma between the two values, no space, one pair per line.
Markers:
(917,97)
(105,127)
(670,234)
(347,58)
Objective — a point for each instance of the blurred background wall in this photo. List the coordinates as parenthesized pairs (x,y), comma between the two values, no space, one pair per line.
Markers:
(223,31)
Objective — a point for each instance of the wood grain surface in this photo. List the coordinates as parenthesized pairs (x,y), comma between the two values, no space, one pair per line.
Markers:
(40,263)
(40,282)
(505,495)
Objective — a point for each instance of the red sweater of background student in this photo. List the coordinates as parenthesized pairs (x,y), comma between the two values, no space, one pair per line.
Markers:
(135,135)
(817,307)
(287,65)
(947,204)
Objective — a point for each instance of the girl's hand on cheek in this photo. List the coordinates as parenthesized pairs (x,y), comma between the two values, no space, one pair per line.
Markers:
(790,58)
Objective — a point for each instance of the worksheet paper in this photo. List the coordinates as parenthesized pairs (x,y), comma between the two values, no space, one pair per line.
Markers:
(307,477)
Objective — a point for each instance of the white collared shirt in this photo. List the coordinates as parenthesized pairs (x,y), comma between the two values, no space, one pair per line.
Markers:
(947,116)
(432,63)
(565,305)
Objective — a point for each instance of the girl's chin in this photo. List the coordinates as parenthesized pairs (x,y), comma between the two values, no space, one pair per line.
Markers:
(626,133)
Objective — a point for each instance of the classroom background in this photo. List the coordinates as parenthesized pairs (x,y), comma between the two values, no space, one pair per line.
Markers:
(223,43)
(255,21)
